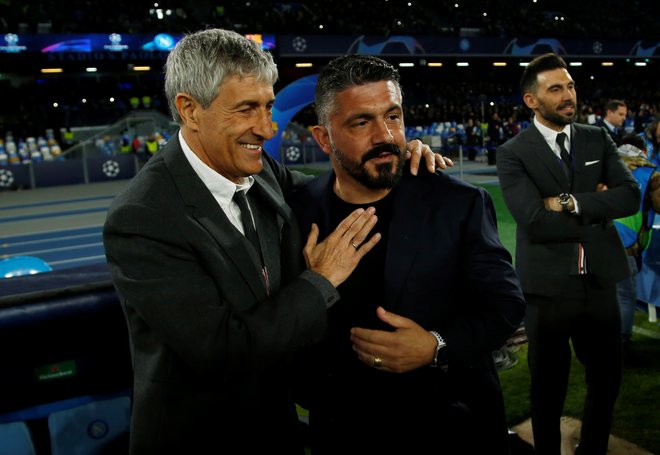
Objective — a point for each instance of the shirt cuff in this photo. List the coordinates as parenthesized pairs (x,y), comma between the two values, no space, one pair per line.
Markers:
(576,210)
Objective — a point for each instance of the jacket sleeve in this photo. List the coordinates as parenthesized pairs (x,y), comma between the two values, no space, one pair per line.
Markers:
(185,298)
(494,305)
(524,197)
(622,198)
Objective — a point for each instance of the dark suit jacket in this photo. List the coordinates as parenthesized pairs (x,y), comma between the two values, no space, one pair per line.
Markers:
(210,347)
(614,134)
(447,270)
(529,171)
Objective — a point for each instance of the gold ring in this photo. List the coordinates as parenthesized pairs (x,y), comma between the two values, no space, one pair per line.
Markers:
(378,362)
(354,246)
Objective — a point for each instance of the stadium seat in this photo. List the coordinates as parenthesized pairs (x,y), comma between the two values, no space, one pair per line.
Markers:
(16,439)
(91,428)
(23,265)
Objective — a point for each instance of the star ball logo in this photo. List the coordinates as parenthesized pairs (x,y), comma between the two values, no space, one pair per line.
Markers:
(111,169)
(115,43)
(12,44)
(299,44)
(6,178)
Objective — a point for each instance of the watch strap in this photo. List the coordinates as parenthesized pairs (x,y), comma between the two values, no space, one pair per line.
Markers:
(440,357)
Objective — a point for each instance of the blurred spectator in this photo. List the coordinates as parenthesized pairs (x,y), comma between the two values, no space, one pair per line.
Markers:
(635,231)
(615,116)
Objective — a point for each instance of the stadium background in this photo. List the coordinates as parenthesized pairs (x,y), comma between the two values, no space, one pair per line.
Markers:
(81,85)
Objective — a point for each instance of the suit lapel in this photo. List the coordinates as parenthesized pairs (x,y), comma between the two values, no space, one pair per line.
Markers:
(204,208)
(578,146)
(270,204)
(546,155)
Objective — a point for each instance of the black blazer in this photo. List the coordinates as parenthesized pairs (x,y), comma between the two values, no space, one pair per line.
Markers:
(616,135)
(447,270)
(529,171)
(211,348)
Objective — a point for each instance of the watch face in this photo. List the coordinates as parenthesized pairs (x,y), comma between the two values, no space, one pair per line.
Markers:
(564,198)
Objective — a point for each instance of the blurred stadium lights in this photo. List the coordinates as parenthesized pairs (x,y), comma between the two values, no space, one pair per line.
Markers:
(52,70)
(406,64)
(304,65)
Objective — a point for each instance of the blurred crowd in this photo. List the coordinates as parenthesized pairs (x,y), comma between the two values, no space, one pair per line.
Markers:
(634,19)
(476,96)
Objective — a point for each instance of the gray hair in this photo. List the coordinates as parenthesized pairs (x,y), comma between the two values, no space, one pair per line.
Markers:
(201,61)
(346,72)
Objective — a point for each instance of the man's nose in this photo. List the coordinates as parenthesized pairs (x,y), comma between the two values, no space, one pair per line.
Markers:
(384,134)
(264,125)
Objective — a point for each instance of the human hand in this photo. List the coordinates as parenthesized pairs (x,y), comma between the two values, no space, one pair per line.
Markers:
(552,204)
(601,187)
(409,347)
(337,256)
(415,149)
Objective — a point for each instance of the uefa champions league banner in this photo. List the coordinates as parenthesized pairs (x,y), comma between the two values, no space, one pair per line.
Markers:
(68,172)
(430,46)
(111,43)
(117,45)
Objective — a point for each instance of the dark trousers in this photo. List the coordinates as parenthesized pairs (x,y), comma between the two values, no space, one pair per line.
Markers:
(588,316)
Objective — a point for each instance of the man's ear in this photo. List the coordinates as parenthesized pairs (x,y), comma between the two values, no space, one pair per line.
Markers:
(322,137)
(188,108)
(530,100)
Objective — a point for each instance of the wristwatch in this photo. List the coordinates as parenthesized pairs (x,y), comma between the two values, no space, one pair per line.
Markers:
(564,199)
(440,357)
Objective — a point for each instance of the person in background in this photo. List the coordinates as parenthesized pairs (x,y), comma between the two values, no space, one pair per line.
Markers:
(652,136)
(407,361)
(564,184)
(206,259)
(614,119)
(635,230)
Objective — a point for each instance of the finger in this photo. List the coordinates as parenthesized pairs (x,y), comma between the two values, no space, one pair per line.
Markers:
(366,218)
(346,223)
(431,159)
(312,238)
(442,161)
(367,351)
(392,319)
(363,233)
(368,246)
(415,149)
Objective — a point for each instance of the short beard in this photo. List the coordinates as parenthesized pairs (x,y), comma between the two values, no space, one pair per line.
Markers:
(558,119)
(385,177)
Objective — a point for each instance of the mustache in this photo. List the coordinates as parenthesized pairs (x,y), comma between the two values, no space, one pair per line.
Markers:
(567,104)
(379,149)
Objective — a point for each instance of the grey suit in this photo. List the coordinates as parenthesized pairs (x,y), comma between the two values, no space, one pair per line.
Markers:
(563,305)
(210,343)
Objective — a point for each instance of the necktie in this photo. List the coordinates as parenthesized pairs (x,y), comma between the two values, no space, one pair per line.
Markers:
(565,157)
(246,220)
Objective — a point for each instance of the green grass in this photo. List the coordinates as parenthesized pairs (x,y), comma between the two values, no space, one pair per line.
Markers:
(636,415)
